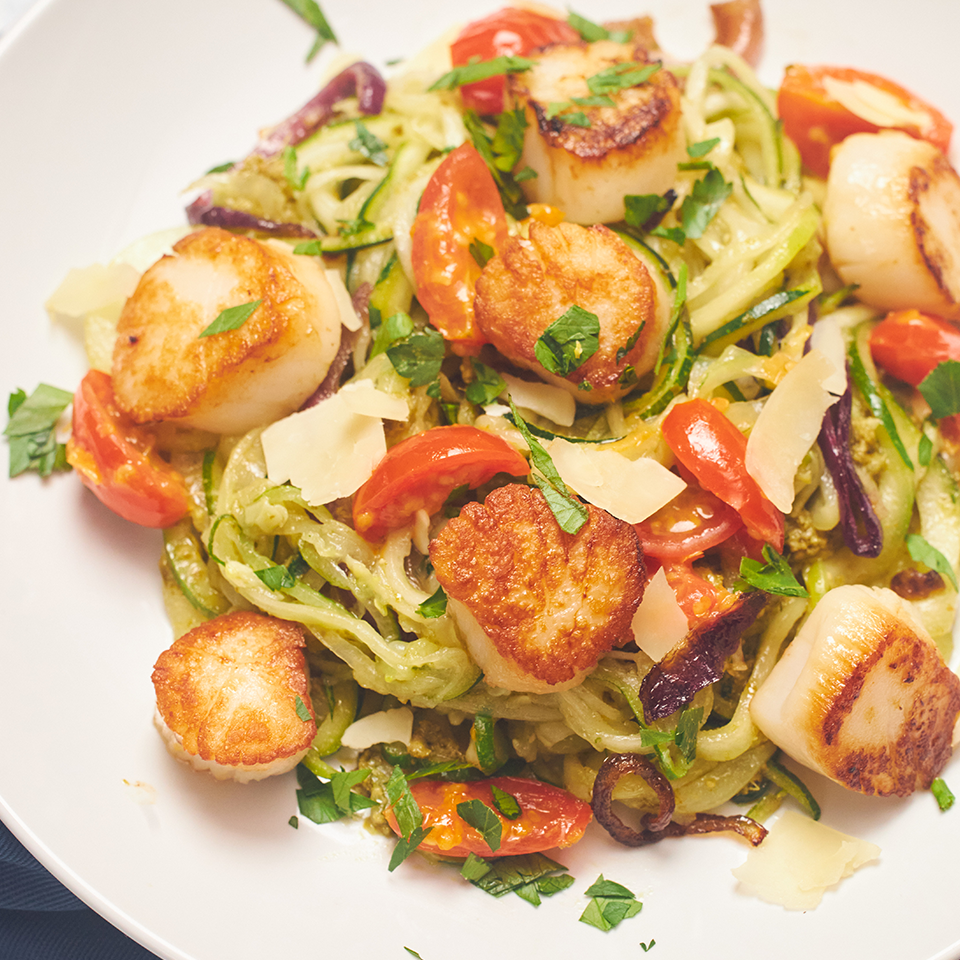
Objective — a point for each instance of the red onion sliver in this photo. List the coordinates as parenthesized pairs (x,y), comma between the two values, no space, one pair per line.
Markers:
(203,211)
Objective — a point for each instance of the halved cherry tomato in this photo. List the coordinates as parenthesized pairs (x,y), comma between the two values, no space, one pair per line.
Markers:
(460,205)
(549,816)
(691,523)
(419,473)
(697,598)
(714,451)
(116,460)
(510,32)
(815,121)
(909,344)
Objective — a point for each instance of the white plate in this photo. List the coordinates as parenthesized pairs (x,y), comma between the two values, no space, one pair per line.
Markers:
(107,110)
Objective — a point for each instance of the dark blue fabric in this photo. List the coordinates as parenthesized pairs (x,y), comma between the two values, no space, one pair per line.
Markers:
(40,919)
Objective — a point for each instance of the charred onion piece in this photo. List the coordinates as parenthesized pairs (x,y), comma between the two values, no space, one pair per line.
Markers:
(331,382)
(203,211)
(911,584)
(656,827)
(359,79)
(862,532)
(739,26)
(698,660)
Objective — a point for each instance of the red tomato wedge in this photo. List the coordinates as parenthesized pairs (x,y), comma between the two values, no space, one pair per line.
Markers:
(460,205)
(549,816)
(714,451)
(419,473)
(816,121)
(697,598)
(115,458)
(510,32)
(690,524)
(909,344)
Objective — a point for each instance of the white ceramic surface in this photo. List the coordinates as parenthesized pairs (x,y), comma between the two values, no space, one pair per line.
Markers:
(107,110)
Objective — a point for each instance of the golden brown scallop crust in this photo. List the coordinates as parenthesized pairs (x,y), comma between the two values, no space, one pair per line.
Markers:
(642,119)
(551,602)
(934,194)
(228,690)
(926,699)
(159,328)
(532,283)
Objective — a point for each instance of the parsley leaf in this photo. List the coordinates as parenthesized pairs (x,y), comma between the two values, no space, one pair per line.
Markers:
(774,576)
(506,803)
(530,876)
(527,173)
(231,319)
(342,785)
(302,712)
(925,450)
(221,167)
(309,11)
(276,577)
(419,357)
(621,76)
(481,252)
(351,228)
(394,328)
(479,816)
(569,341)
(316,799)
(941,389)
(642,208)
(507,143)
(413,953)
(294,822)
(482,70)
(500,152)
(591,32)
(297,180)
(434,606)
(570,513)
(942,794)
(487,386)
(700,206)
(31,430)
(701,149)
(646,946)
(409,818)
(612,903)
(925,553)
(369,145)
(631,343)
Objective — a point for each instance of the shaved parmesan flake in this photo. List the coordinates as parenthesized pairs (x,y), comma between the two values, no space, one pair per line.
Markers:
(543,399)
(799,859)
(875,105)
(827,337)
(330,450)
(631,490)
(87,289)
(788,427)
(386,726)
(348,316)
(659,624)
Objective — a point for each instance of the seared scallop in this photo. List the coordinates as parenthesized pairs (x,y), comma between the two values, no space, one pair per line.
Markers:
(592,135)
(233,697)
(862,695)
(535,281)
(228,382)
(892,218)
(538,607)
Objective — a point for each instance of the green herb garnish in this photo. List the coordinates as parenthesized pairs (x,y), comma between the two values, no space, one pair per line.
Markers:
(419,357)
(434,606)
(642,208)
(774,576)
(612,903)
(621,76)
(221,167)
(297,180)
(481,252)
(309,11)
(942,794)
(392,330)
(487,386)
(506,803)
(925,553)
(479,816)
(569,341)
(482,70)
(941,389)
(316,799)
(302,710)
(369,145)
(530,877)
(409,818)
(232,318)
(701,149)
(700,206)
(31,430)
(276,578)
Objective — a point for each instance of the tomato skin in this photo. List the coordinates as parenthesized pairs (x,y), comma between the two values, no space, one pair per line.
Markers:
(550,816)
(697,598)
(460,204)
(420,472)
(509,32)
(690,524)
(114,458)
(714,451)
(816,122)
(909,344)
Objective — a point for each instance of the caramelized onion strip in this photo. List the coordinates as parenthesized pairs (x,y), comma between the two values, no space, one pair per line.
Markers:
(739,26)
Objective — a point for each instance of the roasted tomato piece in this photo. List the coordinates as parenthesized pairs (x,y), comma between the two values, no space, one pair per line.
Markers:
(419,473)
(116,459)
(549,816)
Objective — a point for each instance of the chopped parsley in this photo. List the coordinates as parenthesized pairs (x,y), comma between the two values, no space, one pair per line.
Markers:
(393,329)
(231,319)
(506,803)
(621,76)
(310,11)
(500,151)
(326,802)
(31,430)
(482,70)
(481,252)
(641,209)
(419,357)
(774,576)
(924,552)
(487,385)
(941,389)
(296,179)
(701,149)
(569,341)
(530,877)
(484,820)
(591,32)
(942,794)
(434,606)
(276,577)
(611,904)
(302,711)
(631,343)
(409,818)
(369,145)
